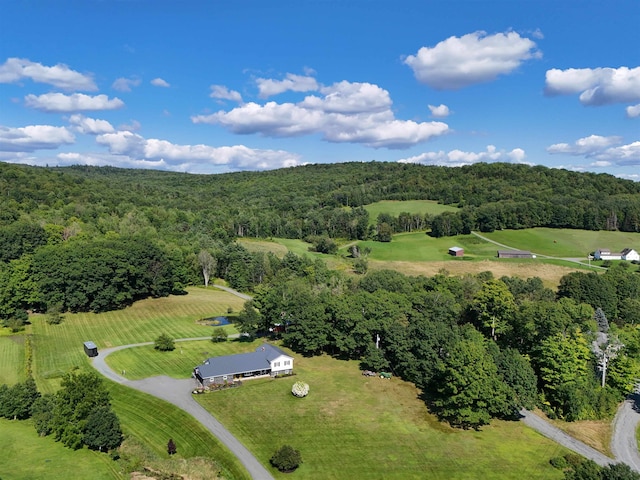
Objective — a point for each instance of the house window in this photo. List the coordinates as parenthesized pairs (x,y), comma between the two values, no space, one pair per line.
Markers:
(276,364)
(287,362)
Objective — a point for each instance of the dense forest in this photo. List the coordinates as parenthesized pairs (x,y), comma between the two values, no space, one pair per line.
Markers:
(96,239)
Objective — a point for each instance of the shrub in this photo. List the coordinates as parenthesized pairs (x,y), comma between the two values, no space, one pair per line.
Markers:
(286,459)
(171,447)
(164,343)
(300,389)
(219,335)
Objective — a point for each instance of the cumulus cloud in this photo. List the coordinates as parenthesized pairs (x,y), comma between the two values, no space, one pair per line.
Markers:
(440,111)
(77,102)
(604,151)
(633,111)
(596,86)
(105,159)
(221,92)
(587,146)
(90,126)
(60,75)
(34,137)
(458,158)
(159,82)
(349,98)
(194,157)
(458,62)
(125,84)
(343,112)
(268,87)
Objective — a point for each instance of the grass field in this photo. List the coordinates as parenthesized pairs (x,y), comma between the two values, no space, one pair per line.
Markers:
(142,362)
(12,359)
(58,348)
(352,426)
(396,207)
(155,421)
(26,456)
(565,242)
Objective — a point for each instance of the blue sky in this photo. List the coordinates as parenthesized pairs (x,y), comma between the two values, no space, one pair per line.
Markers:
(218,86)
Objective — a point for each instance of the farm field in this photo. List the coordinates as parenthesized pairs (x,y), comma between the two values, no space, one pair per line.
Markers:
(58,348)
(352,426)
(396,207)
(565,242)
(26,456)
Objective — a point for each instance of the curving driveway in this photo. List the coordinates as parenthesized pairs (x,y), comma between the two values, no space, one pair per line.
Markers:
(178,392)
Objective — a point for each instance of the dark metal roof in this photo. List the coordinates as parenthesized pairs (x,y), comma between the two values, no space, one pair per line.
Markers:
(241,363)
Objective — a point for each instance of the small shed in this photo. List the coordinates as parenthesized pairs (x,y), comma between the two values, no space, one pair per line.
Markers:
(514,254)
(456,251)
(90,349)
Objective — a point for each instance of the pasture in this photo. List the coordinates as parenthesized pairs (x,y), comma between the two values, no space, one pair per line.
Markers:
(565,243)
(26,456)
(396,207)
(352,426)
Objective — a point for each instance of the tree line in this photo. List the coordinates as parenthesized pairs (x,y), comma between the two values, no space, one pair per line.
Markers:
(478,347)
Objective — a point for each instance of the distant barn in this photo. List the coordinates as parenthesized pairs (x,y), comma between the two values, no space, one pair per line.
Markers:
(456,251)
(514,254)
(90,349)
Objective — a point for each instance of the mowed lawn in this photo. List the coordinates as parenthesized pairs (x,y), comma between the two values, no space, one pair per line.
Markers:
(26,456)
(145,361)
(352,427)
(154,422)
(12,366)
(565,242)
(396,207)
(58,348)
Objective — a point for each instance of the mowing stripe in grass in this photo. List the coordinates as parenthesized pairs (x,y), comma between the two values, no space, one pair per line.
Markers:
(12,367)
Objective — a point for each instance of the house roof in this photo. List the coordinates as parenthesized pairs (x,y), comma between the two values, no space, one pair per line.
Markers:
(627,251)
(456,249)
(241,362)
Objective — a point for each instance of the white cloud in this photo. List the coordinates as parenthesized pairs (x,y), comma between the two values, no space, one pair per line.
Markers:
(268,87)
(125,84)
(633,111)
(605,151)
(60,75)
(34,137)
(458,62)
(194,157)
(440,111)
(159,82)
(587,146)
(132,126)
(348,98)
(90,126)
(101,160)
(346,112)
(458,158)
(223,93)
(596,86)
(77,102)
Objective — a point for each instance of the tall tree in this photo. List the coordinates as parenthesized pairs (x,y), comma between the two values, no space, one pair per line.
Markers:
(207,264)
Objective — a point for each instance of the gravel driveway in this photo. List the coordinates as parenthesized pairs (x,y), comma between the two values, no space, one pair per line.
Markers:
(178,392)
(623,442)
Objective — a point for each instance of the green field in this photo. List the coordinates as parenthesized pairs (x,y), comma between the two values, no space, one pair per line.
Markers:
(142,362)
(565,242)
(419,247)
(352,426)
(58,348)
(12,367)
(26,456)
(155,421)
(396,207)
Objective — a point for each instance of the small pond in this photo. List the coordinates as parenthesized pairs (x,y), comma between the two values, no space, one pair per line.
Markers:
(215,321)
